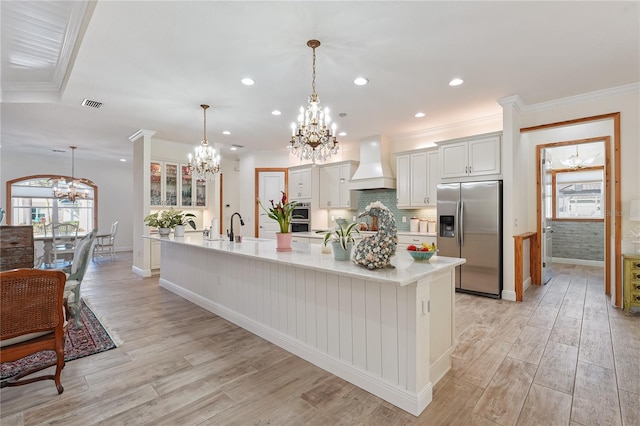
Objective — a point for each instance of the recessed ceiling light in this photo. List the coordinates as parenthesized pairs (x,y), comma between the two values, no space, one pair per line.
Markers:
(419,114)
(275,112)
(226,132)
(248,81)
(360,81)
(233,148)
(456,82)
(342,134)
(124,160)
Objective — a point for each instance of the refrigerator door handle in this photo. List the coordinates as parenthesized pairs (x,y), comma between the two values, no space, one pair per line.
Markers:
(457,223)
(461,222)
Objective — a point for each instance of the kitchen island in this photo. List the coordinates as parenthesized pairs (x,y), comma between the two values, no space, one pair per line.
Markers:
(390,331)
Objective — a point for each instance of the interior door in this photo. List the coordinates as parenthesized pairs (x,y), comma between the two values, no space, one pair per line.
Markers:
(270,187)
(546,192)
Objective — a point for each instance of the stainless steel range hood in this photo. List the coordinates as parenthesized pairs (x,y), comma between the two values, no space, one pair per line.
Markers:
(373,171)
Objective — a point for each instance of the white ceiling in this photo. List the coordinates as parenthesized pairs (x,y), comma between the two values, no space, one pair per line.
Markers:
(152,63)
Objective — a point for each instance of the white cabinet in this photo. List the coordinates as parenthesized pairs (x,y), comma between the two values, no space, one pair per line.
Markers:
(417,178)
(172,185)
(193,192)
(478,156)
(164,184)
(334,186)
(296,239)
(155,254)
(300,183)
(405,240)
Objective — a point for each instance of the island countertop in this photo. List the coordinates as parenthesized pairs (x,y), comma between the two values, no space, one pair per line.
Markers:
(406,270)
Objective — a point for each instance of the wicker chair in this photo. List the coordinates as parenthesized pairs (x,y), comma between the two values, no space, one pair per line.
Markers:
(32,320)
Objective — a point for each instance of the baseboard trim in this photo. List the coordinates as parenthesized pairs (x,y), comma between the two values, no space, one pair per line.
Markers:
(581,262)
(412,402)
(509,295)
(144,273)
(526,284)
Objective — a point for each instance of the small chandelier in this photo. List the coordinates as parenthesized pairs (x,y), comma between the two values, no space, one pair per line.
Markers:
(69,190)
(312,138)
(575,162)
(206,164)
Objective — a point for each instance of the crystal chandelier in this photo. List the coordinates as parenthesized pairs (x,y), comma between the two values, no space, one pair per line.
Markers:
(70,190)
(575,162)
(312,138)
(206,164)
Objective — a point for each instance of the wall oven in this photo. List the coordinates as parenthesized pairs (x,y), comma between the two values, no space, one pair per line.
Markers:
(301,220)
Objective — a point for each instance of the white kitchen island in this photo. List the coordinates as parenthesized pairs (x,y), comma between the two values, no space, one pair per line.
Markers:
(388,331)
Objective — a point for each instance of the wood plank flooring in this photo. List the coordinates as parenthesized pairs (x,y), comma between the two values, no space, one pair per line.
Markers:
(563,356)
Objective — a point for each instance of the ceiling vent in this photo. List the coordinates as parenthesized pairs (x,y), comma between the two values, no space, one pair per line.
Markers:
(91,104)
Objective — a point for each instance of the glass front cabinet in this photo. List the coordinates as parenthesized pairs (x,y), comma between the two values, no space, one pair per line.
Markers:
(172,185)
(193,192)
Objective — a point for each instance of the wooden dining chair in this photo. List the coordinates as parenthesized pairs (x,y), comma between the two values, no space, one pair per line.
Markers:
(106,243)
(32,320)
(64,242)
(81,256)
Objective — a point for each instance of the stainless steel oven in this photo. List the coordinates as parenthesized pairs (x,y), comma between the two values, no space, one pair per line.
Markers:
(301,220)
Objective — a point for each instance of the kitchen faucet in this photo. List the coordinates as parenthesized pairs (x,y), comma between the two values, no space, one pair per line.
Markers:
(230,232)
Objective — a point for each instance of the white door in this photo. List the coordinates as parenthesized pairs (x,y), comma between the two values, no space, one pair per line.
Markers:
(546,202)
(271,185)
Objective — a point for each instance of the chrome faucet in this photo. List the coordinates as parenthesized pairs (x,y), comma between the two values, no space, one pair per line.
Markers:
(230,232)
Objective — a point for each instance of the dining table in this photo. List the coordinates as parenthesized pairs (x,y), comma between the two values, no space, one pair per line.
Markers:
(47,241)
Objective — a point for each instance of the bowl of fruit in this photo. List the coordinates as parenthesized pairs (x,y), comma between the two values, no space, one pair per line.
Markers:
(422,252)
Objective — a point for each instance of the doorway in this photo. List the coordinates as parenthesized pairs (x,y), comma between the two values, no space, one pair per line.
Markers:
(569,196)
(269,185)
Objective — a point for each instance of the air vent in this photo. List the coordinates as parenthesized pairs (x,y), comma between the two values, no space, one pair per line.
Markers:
(58,150)
(91,104)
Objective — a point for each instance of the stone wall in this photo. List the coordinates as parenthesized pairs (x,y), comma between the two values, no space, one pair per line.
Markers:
(578,240)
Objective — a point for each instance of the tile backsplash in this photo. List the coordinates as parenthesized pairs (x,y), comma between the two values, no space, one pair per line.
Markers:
(388,198)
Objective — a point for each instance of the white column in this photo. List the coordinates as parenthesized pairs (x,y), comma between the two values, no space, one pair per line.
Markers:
(141,200)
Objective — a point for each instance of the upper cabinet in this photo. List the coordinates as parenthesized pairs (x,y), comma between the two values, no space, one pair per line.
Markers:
(417,177)
(173,186)
(300,183)
(334,186)
(193,191)
(164,184)
(470,157)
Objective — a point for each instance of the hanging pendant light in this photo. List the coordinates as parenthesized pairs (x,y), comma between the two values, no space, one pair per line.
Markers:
(206,164)
(71,190)
(312,138)
(575,162)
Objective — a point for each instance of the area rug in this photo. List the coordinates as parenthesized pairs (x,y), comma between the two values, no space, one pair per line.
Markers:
(91,339)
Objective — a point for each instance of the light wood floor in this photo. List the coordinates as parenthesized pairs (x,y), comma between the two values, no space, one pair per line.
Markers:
(563,356)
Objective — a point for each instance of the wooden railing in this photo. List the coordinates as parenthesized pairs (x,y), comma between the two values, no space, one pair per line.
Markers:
(534,261)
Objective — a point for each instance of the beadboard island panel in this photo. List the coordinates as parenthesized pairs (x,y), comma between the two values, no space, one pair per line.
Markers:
(390,332)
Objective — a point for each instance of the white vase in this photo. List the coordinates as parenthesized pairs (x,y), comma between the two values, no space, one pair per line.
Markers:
(164,232)
(179,231)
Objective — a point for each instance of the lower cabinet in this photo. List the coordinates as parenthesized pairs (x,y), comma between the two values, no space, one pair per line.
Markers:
(155,254)
(295,239)
(405,241)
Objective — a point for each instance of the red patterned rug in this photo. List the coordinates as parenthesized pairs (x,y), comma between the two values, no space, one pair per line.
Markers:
(91,339)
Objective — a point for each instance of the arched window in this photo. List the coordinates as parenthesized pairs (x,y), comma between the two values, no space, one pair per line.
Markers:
(32,202)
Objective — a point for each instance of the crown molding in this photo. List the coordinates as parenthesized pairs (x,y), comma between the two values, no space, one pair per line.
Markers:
(490,119)
(140,133)
(605,93)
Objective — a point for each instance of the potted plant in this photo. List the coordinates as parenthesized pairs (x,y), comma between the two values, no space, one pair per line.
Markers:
(341,238)
(169,219)
(282,212)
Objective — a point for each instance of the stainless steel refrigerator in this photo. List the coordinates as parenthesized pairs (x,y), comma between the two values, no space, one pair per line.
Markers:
(470,227)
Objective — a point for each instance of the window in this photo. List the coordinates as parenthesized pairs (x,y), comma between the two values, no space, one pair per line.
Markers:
(579,194)
(32,203)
